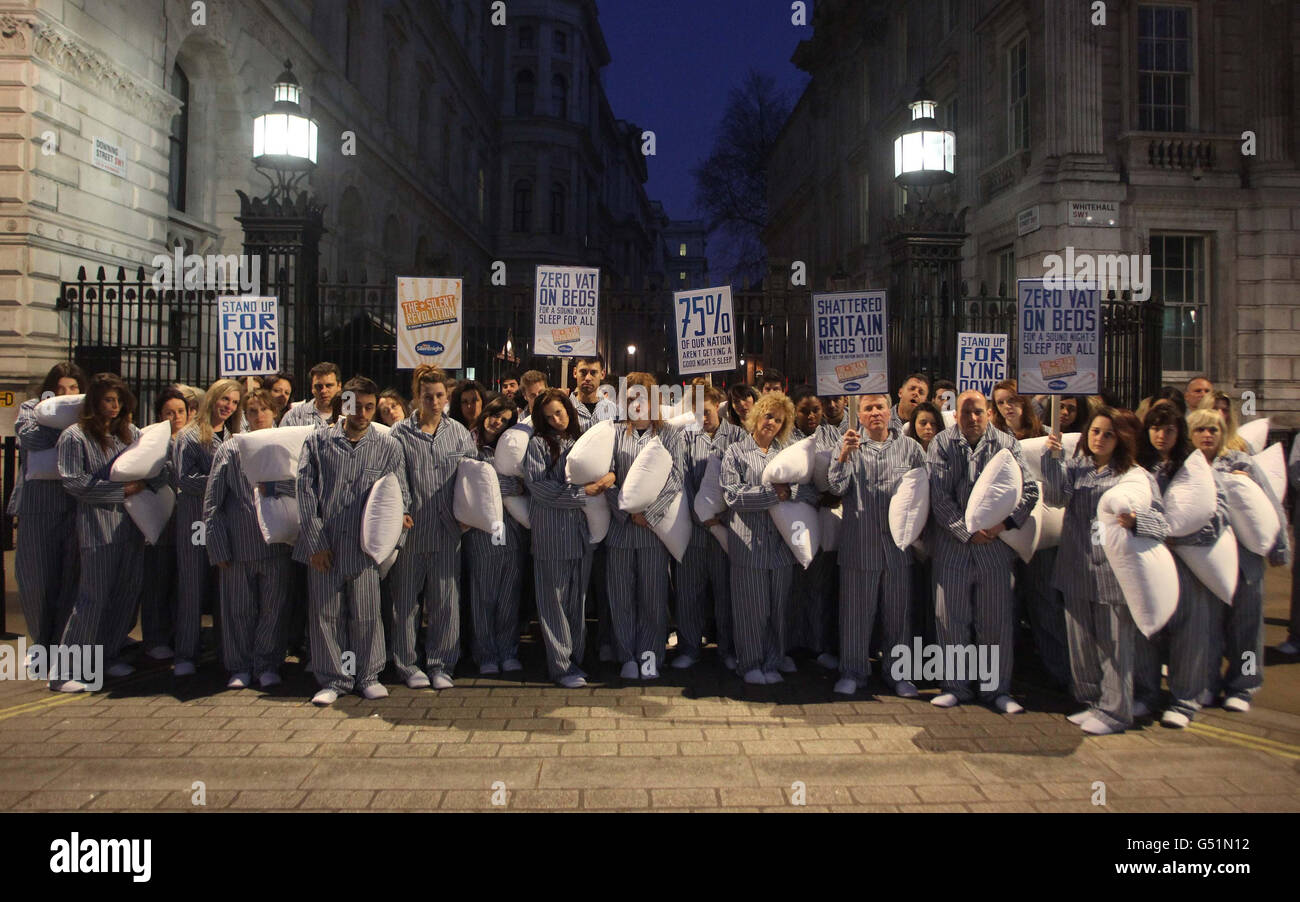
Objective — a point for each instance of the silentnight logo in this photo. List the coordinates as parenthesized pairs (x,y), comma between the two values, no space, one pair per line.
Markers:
(103,856)
(1099,271)
(194,271)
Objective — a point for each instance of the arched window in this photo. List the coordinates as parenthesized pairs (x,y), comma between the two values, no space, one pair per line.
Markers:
(524,90)
(523,206)
(179,140)
(557,209)
(559,97)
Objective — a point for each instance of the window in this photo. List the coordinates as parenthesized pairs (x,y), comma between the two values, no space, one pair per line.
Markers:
(681,277)
(1164,68)
(681,250)
(557,209)
(864,200)
(559,97)
(1017,97)
(1178,278)
(179,141)
(523,206)
(1007,272)
(524,93)
(527,38)
(560,42)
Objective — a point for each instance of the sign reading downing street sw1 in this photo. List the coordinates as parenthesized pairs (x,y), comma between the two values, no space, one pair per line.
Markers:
(566,301)
(1059,341)
(250,336)
(429,317)
(849,341)
(706,342)
(981,361)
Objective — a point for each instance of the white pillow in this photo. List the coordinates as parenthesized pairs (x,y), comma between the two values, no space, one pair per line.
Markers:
(832,518)
(271,455)
(1143,566)
(646,477)
(720,533)
(1255,434)
(592,455)
(388,564)
(43,464)
(59,412)
(145,457)
(277,517)
(476,497)
(996,493)
(680,421)
(1031,449)
(822,470)
(1190,497)
(598,515)
(1271,461)
(674,530)
(1049,530)
(512,448)
(709,502)
(517,507)
(1252,515)
(380,427)
(1024,541)
(151,510)
(381,524)
(910,507)
(793,465)
(1216,566)
(804,540)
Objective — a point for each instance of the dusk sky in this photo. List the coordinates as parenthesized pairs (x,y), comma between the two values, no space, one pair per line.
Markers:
(674,63)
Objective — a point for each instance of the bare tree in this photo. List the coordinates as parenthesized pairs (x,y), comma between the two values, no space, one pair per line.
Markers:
(731,182)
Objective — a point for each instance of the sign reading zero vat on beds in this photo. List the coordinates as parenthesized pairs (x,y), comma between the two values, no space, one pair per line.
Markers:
(1059,345)
(566,301)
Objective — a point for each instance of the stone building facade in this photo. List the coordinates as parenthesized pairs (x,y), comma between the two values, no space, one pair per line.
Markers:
(436,154)
(1176,123)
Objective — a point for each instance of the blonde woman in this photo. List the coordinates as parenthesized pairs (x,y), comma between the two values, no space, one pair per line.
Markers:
(255,589)
(193,450)
(1220,403)
(1237,628)
(762,566)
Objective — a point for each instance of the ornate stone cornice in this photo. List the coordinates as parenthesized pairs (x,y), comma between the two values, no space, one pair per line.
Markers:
(90,68)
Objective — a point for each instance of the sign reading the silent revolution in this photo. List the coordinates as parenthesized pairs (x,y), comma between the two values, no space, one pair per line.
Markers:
(1060,338)
(706,342)
(981,361)
(250,336)
(428,322)
(849,342)
(566,301)
(107,157)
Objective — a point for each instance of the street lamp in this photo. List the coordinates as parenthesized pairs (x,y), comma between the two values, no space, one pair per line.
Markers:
(923,153)
(284,140)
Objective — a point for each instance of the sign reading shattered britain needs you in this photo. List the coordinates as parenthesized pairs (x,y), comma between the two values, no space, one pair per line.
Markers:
(849,341)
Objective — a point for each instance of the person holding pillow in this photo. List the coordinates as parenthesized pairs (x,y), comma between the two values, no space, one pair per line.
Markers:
(495,561)
(426,574)
(972,572)
(45,559)
(1013,413)
(592,408)
(560,538)
(111,546)
(812,612)
(1240,628)
(158,595)
(281,388)
(637,561)
(1163,448)
(703,569)
(740,401)
(925,424)
(193,449)
(338,467)
(873,571)
(762,565)
(255,589)
(1100,628)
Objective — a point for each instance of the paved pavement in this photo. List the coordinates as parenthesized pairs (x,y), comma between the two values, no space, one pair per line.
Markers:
(697,742)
